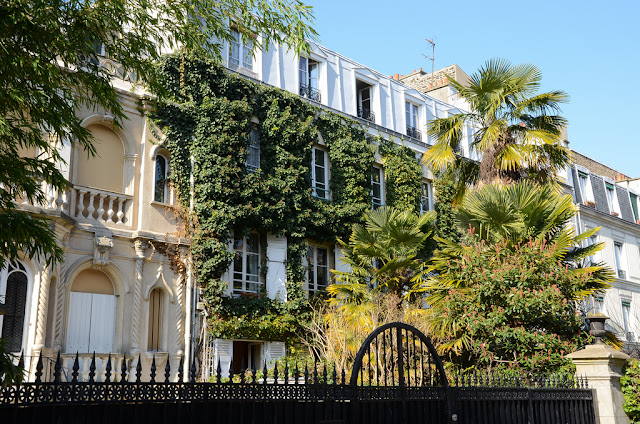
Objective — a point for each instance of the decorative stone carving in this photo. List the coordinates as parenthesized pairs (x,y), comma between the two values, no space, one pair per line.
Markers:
(102,246)
(140,246)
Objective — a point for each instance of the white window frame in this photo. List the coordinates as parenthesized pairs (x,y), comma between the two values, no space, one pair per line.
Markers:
(316,171)
(412,115)
(428,197)
(244,48)
(618,251)
(591,241)
(315,286)
(625,305)
(584,185)
(305,68)
(244,275)
(380,202)
(253,149)
(612,197)
(166,193)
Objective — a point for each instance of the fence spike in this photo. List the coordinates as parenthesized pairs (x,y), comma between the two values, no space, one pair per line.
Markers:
(76,367)
(152,374)
(218,372)
(21,361)
(264,373)
(286,373)
(138,369)
(254,375)
(455,379)
(192,371)
(334,376)
(167,371)
(107,374)
(275,373)
(230,372)
(324,373)
(243,371)
(306,373)
(123,370)
(586,382)
(57,369)
(296,374)
(315,372)
(344,377)
(39,367)
(92,368)
(181,370)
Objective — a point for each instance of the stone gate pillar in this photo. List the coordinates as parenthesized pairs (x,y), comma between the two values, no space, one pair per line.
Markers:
(603,367)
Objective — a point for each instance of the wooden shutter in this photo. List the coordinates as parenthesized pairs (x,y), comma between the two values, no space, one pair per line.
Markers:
(276,270)
(13,320)
(223,353)
(79,323)
(103,320)
(273,351)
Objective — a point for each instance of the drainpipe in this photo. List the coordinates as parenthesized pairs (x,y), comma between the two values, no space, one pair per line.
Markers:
(189,301)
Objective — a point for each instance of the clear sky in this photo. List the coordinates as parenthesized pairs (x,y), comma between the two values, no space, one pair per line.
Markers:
(589,49)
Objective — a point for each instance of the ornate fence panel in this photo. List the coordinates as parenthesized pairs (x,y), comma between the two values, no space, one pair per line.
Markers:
(397,378)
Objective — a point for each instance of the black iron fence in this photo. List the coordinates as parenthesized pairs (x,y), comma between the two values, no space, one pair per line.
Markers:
(397,378)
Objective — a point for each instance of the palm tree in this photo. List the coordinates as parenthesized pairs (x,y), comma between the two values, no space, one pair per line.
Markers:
(508,216)
(383,255)
(518,131)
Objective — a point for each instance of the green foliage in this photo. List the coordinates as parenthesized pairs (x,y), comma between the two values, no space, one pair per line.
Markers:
(51,70)
(507,293)
(207,121)
(630,382)
(9,373)
(517,130)
(403,175)
(383,255)
(445,190)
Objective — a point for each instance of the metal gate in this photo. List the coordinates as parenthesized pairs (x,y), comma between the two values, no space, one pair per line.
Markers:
(397,377)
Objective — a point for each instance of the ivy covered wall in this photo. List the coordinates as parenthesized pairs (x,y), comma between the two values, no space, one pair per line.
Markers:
(207,124)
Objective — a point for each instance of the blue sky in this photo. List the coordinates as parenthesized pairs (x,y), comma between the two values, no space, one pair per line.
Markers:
(589,49)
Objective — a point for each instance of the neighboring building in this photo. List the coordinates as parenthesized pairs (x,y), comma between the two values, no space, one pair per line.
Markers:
(608,199)
(116,292)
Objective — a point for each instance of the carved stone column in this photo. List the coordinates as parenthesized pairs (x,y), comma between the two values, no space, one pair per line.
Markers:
(43,302)
(179,339)
(140,246)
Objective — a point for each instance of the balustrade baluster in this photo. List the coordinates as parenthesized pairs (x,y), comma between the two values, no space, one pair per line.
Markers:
(110,211)
(91,209)
(120,213)
(81,194)
(101,208)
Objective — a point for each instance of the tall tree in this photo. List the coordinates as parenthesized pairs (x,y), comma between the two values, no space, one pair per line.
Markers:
(517,130)
(508,291)
(50,67)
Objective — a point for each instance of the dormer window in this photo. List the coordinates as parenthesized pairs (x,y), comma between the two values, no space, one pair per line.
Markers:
(611,198)
(365,95)
(585,188)
(309,79)
(240,50)
(411,112)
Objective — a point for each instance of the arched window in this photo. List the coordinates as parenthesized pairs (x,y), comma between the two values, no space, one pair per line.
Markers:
(155,320)
(92,313)
(14,289)
(161,192)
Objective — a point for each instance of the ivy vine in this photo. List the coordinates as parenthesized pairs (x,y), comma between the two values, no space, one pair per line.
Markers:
(207,121)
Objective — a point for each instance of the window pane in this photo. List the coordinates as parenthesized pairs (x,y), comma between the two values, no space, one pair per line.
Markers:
(13,320)
(313,75)
(322,277)
(322,257)
(155,305)
(252,267)
(160,180)
(253,242)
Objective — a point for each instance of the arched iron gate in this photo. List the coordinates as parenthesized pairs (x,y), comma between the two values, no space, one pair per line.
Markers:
(398,377)
(398,354)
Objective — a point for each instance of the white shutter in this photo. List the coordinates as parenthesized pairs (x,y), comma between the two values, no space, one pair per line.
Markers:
(79,323)
(273,351)
(103,320)
(339,264)
(276,270)
(223,353)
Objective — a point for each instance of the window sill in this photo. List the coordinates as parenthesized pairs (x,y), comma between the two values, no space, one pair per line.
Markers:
(161,204)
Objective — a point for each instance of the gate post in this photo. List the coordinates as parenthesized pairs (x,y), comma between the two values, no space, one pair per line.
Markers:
(603,365)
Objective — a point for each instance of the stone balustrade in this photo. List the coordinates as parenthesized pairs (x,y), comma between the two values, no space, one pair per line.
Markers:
(53,199)
(100,205)
(84,364)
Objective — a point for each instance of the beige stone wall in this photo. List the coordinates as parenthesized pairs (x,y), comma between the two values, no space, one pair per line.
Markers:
(596,167)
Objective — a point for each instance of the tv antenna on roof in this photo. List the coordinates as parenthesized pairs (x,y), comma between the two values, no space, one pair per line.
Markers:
(433,54)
